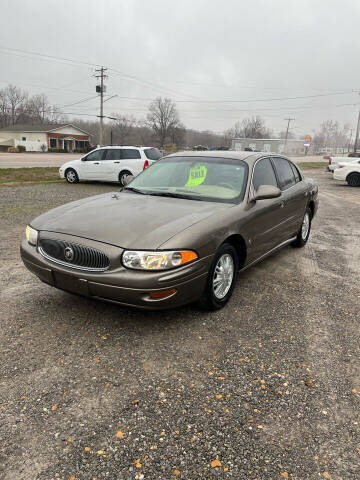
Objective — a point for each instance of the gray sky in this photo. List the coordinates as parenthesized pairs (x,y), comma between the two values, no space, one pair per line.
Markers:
(191,50)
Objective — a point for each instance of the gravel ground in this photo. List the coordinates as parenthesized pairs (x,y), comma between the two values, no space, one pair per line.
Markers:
(267,388)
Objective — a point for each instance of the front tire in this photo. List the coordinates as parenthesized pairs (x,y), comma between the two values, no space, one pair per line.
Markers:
(221,278)
(71,176)
(353,180)
(122,177)
(304,232)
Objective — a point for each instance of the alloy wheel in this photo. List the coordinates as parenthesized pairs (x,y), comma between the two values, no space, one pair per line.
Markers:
(305,226)
(223,276)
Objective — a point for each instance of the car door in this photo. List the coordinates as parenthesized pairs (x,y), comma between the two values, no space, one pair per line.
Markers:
(265,216)
(111,164)
(294,195)
(90,168)
(131,161)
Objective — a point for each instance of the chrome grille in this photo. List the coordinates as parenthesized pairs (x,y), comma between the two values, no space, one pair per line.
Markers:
(73,255)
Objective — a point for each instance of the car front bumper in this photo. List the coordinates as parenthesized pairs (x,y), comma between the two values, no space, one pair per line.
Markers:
(120,285)
(339,175)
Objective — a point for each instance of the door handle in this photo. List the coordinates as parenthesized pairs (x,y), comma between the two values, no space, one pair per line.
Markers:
(116,162)
(96,163)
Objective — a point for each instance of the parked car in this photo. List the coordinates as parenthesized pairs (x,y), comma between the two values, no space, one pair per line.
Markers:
(349,172)
(354,154)
(179,232)
(334,162)
(110,164)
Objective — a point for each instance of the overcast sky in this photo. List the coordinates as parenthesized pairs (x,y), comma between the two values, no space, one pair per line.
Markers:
(195,51)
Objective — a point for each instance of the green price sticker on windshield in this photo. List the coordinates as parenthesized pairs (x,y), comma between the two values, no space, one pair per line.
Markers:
(197,175)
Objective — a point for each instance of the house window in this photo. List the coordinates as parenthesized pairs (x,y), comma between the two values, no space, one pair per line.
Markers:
(23,139)
(53,143)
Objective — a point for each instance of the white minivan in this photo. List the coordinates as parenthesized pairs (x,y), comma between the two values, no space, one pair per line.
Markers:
(110,164)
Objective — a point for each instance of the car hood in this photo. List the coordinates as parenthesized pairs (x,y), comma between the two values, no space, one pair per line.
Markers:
(127,220)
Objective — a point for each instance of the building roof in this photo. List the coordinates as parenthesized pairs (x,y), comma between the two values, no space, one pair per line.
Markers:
(44,127)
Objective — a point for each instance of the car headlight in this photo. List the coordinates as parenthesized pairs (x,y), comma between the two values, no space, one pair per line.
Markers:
(31,235)
(140,260)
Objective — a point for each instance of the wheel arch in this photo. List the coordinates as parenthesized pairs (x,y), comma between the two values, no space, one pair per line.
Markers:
(352,173)
(312,207)
(238,242)
(70,167)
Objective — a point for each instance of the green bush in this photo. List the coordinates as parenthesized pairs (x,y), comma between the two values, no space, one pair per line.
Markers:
(21,148)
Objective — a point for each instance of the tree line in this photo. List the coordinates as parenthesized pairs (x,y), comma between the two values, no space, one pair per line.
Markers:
(161,126)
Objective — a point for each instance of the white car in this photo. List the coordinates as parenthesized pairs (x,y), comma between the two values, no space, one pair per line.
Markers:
(348,172)
(110,164)
(335,161)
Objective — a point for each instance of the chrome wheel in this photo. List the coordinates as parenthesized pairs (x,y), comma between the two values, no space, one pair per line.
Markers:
(71,176)
(123,178)
(305,226)
(223,276)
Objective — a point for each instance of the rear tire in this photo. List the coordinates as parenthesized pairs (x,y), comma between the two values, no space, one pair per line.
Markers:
(353,179)
(221,278)
(304,232)
(122,176)
(71,176)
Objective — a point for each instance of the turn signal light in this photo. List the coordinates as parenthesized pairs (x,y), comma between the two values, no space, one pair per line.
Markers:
(162,294)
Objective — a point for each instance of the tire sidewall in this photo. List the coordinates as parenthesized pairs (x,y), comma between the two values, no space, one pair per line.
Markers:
(356,176)
(300,242)
(76,175)
(123,174)
(209,300)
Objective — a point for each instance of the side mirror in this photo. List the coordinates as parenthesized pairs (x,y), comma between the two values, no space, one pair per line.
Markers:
(266,191)
(83,159)
(127,179)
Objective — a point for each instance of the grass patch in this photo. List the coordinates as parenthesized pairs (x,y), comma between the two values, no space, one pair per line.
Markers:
(29,175)
(308,165)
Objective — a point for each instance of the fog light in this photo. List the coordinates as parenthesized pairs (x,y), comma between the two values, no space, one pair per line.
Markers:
(162,294)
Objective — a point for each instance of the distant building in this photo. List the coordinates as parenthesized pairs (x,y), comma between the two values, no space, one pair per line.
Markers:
(44,137)
(274,145)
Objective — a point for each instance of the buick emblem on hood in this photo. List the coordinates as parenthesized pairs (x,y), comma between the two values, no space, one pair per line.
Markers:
(69,254)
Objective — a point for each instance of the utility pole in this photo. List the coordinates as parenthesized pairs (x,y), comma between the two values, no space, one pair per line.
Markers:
(287,131)
(101,89)
(349,145)
(357,133)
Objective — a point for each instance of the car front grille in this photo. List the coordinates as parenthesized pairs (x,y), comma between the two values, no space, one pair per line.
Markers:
(73,255)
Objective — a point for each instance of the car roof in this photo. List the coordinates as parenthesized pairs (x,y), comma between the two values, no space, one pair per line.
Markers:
(141,147)
(248,157)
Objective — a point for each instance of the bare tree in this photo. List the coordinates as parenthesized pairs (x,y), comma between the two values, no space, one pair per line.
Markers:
(162,118)
(289,136)
(13,101)
(122,127)
(331,136)
(251,127)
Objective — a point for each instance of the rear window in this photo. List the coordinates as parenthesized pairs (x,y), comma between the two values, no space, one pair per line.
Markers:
(152,153)
(130,153)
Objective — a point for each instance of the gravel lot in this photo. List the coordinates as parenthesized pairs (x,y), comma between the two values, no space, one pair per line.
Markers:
(269,386)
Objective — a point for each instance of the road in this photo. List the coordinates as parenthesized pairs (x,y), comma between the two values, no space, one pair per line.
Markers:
(267,388)
(19,160)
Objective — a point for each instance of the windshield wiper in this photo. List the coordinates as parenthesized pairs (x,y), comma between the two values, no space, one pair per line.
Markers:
(172,195)
(136,190)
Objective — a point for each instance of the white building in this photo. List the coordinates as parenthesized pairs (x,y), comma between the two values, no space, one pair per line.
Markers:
(36,138)
(274,145)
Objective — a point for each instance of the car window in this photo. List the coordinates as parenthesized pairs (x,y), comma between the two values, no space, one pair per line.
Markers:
(152,153)
(130,153)
(96,155)
(284,172)
(201,178)
(112,154)
(264,174)
(296,173)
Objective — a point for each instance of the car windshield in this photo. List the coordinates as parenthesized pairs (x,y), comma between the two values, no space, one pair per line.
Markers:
(198,178)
